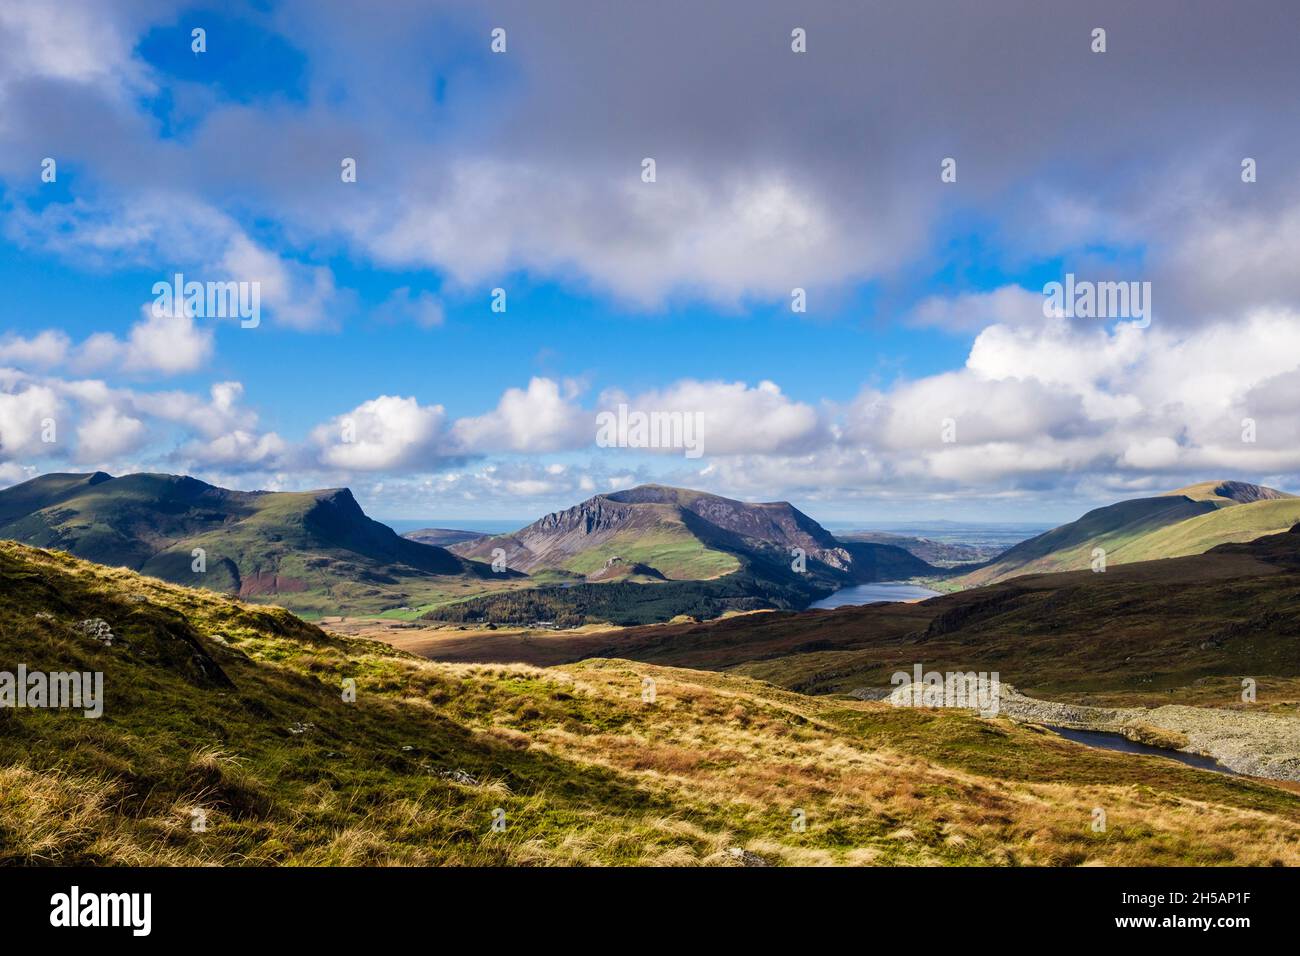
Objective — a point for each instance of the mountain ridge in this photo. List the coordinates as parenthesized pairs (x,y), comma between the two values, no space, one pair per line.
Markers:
(716,532)
(264,544)
(1139,529)
(679,552)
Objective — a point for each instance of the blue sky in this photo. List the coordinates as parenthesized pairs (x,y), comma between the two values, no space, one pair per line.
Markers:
(379,363)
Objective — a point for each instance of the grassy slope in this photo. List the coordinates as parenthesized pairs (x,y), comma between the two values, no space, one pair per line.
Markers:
(312,551)
(657,536)
(1190,520)
(671,550)
(1122,637)
(1132,635)
(586,772)
(1069,547)
(1185,629)
(1243,522)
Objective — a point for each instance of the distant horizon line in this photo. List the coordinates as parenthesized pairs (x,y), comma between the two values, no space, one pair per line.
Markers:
(863,524)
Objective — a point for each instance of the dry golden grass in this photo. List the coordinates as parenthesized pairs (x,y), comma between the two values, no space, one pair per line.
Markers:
(586,771)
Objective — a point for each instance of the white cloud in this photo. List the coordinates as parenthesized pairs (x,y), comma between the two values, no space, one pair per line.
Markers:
(1152,454)
(541,418)
(107,433)
(972,311)
(83,44)
(239,449)
(165,344)
(981,410)
(43,350)
(388,432)
(298,296)
(25,410)
(12,473)
(424,309)
(227,433)
(722,238)
(191,237)
(735,417)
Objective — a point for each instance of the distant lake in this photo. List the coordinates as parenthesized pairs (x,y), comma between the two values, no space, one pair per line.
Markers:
(871,593)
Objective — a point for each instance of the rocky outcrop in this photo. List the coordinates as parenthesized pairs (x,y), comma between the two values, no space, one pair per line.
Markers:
(768,531)
(1251,743)
(1244,492)
(1247,742)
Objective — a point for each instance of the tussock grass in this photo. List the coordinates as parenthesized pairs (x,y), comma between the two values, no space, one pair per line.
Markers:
(237,711)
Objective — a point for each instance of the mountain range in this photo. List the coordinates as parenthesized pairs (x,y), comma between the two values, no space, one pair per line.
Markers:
(311,550)
(940,554)
(1192,626)
(316,552)
(638,556)
(655,552)
(683,535)
(234,710)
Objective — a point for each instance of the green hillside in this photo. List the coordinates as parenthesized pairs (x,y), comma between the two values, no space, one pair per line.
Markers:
(1146,529)
(1184,629)
(1245,522)
(670,548)
(699,554)
(689,535)
(315,552)
(225,740)
(661,533)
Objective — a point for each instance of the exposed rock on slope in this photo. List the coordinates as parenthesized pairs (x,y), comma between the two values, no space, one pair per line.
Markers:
(686,535)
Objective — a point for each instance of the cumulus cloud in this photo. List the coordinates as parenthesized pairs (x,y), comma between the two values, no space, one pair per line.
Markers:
(689,232)
(972,311)
(541,418)
(388,432)
(156,344)
(166,344)
(736,418)
(237,450)
(43,350)
(26,411)
(762,186)
(107,433)
(547,416)
(980,410)
(88,422)
(1073,401)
